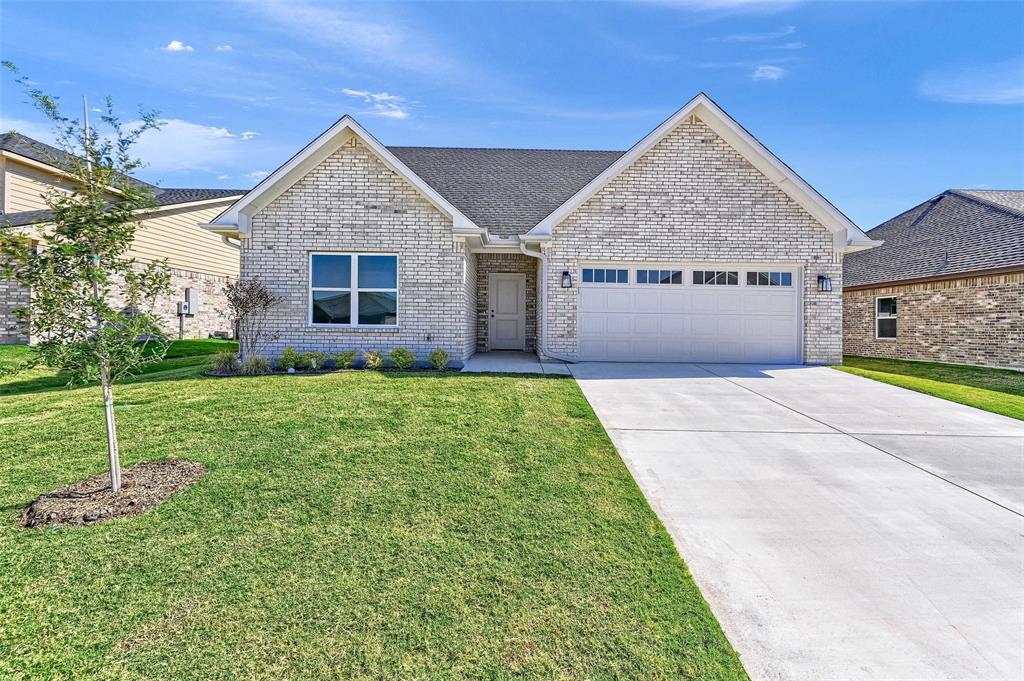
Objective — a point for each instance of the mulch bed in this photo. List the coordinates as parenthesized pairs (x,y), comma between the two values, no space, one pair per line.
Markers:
(90,501)
(316,372)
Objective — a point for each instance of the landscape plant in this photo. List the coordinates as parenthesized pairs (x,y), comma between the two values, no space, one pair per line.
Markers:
(402,358)
(226,362)
(289,359)
(438,359)
(314,359)
(373,360)
(345,359)
(249,303)
(255,365)
(92,310)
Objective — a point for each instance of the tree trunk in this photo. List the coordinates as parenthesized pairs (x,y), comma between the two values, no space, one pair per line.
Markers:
(108,410)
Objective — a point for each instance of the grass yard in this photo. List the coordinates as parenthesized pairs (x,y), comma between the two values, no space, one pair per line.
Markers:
(350,525)
(997,390)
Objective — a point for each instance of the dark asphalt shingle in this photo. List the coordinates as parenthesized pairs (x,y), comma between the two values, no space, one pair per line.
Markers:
(954,233)
(506,191)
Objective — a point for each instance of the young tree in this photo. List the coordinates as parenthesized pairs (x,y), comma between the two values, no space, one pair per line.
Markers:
(80,264)
(249,302)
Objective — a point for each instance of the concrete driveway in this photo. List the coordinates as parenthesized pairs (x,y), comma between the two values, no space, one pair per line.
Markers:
(840,528)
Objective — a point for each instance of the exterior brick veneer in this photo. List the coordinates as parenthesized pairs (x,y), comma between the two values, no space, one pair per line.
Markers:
(500,263)
(353,202)
(12,296)
(693,198)
(972,320)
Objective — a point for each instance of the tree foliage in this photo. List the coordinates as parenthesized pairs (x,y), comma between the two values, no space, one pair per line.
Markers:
(249,303)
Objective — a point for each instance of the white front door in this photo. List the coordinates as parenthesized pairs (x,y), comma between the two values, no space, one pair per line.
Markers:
(506,310)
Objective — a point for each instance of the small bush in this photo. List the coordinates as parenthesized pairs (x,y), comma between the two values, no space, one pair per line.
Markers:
(290,359)
(402,358)
(373,359)
(314,360)
(256,365)
(225,362)
(438,359)
(344,360)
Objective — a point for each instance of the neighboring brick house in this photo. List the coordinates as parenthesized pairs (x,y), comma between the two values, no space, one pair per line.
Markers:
(198,260)
(697,244)
(947,285)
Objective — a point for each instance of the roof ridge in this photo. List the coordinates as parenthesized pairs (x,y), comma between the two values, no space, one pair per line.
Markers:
(961,193)
(583,151)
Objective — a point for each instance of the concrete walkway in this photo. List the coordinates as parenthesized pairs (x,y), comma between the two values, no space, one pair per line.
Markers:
(840,528)
(510,362)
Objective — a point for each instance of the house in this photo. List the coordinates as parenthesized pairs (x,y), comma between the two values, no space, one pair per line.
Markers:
(200,262)
(947,285)
(697,244)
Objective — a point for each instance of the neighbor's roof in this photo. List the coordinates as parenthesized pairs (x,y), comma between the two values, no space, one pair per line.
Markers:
(505,191)
(957,232)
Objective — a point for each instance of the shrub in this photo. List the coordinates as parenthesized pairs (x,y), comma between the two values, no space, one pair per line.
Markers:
(256,365)
(249,304)
(402,358)
(290,359)
(344,360)
(314,359)
(373,359)
(225,362)
(438,359)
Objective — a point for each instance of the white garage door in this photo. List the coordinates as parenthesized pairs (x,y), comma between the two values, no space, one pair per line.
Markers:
(701,313)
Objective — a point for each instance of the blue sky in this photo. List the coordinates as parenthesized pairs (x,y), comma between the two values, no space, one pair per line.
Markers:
(878,105)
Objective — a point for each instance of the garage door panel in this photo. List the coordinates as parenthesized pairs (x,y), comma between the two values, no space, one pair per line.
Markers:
(689,323)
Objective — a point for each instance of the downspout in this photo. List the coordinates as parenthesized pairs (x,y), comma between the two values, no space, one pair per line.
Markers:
(544,303)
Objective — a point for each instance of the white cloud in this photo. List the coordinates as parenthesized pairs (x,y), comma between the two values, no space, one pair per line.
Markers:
(256,175)
(381,103)
(788,46)
(223,48)
(223,177)
(729,6)
(182,145)
(249,134)
(177,46)
(1000,83)
(757,37)
(767,72)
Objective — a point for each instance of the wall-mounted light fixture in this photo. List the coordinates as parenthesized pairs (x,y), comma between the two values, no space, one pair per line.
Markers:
(824,283)
(566,279)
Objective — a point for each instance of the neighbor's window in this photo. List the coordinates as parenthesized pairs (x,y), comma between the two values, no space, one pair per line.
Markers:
(659,277)
(708,277)
(885,317)
(353,290)
(593,275)
(769,279)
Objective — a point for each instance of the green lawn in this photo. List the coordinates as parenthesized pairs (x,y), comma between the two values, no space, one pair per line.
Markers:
(350,525)
(997,390)
(181,358)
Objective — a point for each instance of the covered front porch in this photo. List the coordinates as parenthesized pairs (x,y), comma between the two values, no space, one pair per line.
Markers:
(506,302)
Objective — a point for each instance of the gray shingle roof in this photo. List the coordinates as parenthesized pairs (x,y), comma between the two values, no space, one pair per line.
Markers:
(1007,198)
(506,191)
(953,233)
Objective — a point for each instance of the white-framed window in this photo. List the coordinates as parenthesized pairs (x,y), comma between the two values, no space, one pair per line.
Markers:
(716,278)
(769,278)
(885,317)
(605,275)
(667,277)
(353,289)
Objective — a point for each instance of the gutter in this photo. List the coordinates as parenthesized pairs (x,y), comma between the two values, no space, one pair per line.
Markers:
(544,303)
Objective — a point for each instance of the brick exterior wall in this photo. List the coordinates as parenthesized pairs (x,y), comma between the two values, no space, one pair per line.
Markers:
(973,320)
(693,198)
(352,202)
(12,296)
(505,263)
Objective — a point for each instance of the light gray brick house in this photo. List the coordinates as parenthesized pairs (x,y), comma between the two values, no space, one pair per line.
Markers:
(697,244)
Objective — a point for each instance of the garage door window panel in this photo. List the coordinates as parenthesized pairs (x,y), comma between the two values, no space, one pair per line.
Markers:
(769,278)
(602,275)
(716,278)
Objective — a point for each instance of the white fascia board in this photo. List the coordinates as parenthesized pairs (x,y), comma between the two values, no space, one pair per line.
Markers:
(854,246)
(739,139)
(275,184)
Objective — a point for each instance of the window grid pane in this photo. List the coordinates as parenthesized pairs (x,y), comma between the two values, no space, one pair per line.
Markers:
(715,277)
(769,278)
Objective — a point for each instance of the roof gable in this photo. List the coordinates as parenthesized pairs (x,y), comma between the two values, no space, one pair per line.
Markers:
(240,213)
(846,235)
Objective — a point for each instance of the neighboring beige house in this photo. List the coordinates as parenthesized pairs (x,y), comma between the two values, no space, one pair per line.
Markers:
(199,260)
(947,285)
(697,244)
